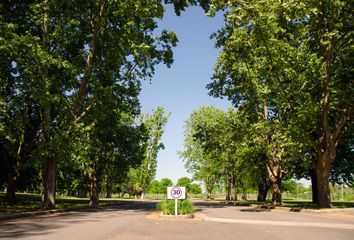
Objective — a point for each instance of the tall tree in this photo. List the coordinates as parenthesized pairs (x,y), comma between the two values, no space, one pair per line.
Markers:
(68,52)
(290,61)
(154,125)
(201,158)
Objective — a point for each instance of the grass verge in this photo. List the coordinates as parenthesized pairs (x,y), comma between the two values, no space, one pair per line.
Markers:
(31,203)
(304,204)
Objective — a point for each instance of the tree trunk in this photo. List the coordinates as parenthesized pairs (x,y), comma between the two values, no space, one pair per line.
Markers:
(82,193)
(209,188)
(209,194)
(209,184)
(314,186)
(109,190)
(228,192)
(244,192)
(323,168)
(11,189)
(50,160)
(330,130)
(49,170)
(263,188)
(94,191)
(276,175)
(233,192)
(276,194)
(22,155)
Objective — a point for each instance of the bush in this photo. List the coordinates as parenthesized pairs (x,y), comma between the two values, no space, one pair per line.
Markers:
(168,207)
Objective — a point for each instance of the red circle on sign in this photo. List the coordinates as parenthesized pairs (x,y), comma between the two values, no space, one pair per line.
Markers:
(176,192)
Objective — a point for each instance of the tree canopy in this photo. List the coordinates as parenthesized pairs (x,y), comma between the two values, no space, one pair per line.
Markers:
(289,65)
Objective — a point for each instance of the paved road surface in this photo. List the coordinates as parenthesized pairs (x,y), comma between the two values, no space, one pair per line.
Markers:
(215,221)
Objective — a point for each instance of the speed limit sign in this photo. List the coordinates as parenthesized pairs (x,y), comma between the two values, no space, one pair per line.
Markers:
(176,193)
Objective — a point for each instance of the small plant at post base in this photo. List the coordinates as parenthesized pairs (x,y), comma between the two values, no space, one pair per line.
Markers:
(167,207)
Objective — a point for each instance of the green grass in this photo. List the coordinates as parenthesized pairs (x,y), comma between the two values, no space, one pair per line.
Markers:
(31,203)
(289,203)
(167,207)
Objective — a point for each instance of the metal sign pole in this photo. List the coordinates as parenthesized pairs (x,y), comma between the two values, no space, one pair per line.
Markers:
(176,212)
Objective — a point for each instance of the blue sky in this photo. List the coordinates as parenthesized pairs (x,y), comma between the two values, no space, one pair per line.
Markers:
(182,88)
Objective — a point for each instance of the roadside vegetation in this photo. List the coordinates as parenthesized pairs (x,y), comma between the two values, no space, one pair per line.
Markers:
(185,207)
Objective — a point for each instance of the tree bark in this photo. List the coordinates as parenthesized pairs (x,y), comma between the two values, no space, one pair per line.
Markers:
(49,165)
(84,87)
(10,196)
(209,187)
(244,196)
(228,192)
(209,195)
(329,135)
(94,189)
(109,190)
(276,175)
(263,188)
(26,139)
(94,198)
(323,168)
(233,192)
(276,194)
(49,170)
(314,186)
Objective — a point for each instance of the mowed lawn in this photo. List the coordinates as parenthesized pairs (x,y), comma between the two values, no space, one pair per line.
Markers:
(31,202)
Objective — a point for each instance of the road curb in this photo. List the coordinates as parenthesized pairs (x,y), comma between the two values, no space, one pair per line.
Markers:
(159,216)
(174,217)
(305,210)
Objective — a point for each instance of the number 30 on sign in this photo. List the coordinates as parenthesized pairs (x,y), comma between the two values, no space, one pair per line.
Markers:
(176,193)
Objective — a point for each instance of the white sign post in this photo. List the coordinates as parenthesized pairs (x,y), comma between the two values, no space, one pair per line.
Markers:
(176,193)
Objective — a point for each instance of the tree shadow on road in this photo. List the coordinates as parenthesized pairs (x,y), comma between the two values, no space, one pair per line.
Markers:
(45,224)
(255,210)
(207,204)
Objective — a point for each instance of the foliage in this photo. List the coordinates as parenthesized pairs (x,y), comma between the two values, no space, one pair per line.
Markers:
(155,187)
(164,183)
(66,74)
(192,188)
(184,182)
(195,188)
(290,186)
(221,146)
(142,175)
(200,157)
(184,207)
(285,64)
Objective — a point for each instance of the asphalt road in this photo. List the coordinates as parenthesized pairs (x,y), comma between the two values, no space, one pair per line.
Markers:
(137,220)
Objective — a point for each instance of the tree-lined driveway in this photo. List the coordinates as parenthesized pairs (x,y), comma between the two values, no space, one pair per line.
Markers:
(137,220)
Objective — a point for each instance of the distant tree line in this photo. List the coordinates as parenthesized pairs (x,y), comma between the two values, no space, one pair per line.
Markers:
(160,187)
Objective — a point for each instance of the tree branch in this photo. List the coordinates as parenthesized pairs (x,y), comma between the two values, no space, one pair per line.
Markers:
(90,59)
(82,115)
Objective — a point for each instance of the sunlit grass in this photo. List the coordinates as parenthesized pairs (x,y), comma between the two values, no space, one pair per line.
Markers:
(290,203)
(31,203)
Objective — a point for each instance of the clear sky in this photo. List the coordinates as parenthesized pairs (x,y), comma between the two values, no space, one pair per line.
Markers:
(182,88)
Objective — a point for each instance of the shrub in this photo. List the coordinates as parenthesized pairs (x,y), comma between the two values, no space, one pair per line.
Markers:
(168,207)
